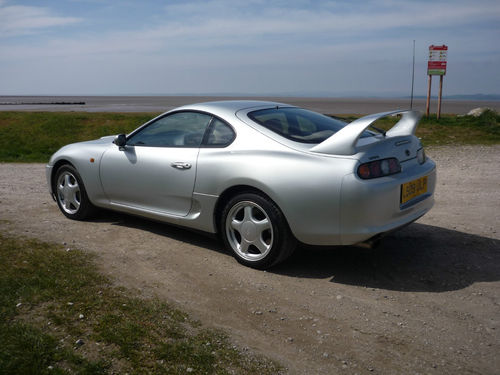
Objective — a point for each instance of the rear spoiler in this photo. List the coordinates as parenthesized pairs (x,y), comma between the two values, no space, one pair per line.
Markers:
(344,141)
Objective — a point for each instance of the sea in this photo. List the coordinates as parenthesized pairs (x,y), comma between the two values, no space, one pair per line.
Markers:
(159,104)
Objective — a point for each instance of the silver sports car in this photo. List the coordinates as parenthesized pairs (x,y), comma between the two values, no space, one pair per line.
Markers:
(262,175)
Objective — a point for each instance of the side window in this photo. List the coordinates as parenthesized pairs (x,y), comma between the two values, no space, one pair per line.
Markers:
(181,129)
(220,134)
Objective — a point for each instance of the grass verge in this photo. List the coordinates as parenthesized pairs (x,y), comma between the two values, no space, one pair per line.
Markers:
(58,315)
(34,136)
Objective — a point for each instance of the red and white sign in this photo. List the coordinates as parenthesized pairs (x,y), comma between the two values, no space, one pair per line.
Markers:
(437,60)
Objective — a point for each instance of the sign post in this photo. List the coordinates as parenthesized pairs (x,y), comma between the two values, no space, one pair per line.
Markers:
(436,66)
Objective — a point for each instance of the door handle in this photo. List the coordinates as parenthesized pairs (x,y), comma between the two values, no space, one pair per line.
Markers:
(180,165)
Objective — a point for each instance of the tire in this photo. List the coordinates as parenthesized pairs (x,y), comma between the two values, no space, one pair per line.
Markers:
(71,196)
(256,231)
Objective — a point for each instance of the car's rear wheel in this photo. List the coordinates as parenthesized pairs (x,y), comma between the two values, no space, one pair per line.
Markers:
(256,232)
(71,195)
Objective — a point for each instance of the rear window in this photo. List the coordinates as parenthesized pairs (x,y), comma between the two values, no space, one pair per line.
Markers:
(298,124)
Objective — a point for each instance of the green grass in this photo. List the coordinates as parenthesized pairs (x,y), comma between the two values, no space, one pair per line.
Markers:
(34,136)
(50,298)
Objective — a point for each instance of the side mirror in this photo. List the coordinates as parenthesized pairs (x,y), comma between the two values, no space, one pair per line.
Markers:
(120,140)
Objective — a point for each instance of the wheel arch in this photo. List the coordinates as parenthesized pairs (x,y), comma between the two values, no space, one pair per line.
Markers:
(58,164)
(233,191)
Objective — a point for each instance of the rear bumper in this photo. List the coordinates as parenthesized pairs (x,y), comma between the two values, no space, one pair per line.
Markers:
(372,207)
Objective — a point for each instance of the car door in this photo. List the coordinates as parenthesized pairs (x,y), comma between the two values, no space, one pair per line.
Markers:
(156,169)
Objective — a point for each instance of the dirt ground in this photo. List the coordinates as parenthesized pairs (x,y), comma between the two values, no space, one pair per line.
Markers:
(425,302)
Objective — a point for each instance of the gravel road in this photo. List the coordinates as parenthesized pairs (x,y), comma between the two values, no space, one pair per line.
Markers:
(425,302)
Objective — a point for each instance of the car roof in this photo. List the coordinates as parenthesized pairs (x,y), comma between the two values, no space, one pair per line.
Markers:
(230,107)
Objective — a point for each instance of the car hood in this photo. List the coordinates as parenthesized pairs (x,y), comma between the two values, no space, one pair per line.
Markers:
(72,150)
(103,140)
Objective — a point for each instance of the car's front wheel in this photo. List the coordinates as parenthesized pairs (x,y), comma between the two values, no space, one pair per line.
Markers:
(256,232)
(71,195)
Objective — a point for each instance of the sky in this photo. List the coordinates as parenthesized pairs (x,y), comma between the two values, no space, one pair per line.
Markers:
(251,47)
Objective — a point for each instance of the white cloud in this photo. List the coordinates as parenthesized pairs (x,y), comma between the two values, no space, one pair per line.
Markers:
(19,20)
(220,16)
(209,25)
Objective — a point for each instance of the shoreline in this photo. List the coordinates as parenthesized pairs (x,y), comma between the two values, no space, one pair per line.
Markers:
(158,104)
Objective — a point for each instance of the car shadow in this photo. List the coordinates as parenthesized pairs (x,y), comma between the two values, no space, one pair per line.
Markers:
(420,258)
(196,238)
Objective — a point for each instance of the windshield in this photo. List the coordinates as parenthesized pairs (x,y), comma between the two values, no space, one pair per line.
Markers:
(299,124)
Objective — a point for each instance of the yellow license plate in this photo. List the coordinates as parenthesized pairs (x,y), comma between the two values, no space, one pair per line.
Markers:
(413,189)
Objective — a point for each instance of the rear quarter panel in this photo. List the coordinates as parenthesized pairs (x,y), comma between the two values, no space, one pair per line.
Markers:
(306,187)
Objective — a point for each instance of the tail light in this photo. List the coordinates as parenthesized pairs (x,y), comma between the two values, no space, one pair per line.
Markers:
(379,168)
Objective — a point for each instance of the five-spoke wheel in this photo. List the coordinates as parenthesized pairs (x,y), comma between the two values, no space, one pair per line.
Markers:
(70,193)
(256,231)
(249,230)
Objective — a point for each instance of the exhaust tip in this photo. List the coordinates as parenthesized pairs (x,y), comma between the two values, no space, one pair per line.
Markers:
(372,243)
